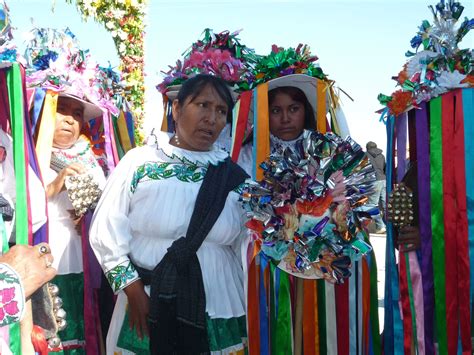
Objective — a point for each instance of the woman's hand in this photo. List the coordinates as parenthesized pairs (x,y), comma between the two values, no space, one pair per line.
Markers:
(57,184)
(409,238)
(138,307)
(31,264)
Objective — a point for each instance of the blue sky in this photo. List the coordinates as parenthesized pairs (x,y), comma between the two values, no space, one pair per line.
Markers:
(360,44)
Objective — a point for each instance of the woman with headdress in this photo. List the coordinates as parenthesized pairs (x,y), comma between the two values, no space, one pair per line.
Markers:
(167,232)
(72,172)
(288,314)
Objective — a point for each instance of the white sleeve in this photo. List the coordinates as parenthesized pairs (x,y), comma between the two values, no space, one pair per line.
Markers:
(246,159)
(110,232)
(37,200)
(8,186)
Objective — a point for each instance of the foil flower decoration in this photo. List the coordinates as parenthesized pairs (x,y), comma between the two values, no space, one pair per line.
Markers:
(5,26)
(219,54)
(281,62)
(56,61)
(8,51)
(310,208)
(440,65)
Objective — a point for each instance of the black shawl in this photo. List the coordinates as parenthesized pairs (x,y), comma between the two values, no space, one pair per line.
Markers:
(177,319)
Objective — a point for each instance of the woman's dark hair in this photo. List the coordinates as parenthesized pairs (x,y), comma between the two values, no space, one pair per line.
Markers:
(299,96)
(192,88)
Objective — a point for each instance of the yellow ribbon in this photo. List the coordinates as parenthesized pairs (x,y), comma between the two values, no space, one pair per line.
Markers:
(321,106)
(262,128)
(123,133)
(44,142)
(164,123)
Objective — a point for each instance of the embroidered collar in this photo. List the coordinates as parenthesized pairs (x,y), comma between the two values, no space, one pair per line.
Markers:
(80,152)
(213,156)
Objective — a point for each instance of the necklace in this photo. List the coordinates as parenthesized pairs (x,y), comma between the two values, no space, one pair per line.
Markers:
(80,152)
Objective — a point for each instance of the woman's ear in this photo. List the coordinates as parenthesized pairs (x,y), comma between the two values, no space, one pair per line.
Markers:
(175,110)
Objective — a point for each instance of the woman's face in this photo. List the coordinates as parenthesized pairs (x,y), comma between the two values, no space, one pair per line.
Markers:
(69,120)
(200,121)
(286,117)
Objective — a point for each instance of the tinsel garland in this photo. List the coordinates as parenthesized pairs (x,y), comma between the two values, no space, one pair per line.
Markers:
(439,66)
(310,208)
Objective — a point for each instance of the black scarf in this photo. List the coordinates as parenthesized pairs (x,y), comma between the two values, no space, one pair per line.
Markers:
(177,318)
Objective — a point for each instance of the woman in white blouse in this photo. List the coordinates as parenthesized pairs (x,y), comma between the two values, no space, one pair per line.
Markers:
(164,205)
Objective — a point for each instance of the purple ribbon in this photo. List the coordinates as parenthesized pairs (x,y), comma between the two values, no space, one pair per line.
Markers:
(4,102)
(401,129)
(41,235)
(91,273)
(424,199)
(108,143)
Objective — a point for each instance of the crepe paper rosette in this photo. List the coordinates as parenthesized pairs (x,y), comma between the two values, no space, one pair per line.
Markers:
(310,210)
(439,66)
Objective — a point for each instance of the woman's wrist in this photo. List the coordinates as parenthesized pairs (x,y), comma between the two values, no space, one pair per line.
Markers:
(134,288)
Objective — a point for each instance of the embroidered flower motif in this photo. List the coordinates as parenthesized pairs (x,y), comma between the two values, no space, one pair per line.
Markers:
(121,275)
(8,307)
(185,172)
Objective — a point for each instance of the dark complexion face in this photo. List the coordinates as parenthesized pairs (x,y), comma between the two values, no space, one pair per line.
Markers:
(69,120)
(199,121)
(286,117)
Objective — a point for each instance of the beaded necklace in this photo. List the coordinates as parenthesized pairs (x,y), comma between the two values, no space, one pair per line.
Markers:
(80,152)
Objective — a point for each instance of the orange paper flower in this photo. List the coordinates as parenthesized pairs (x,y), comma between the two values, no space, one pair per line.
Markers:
(401,100)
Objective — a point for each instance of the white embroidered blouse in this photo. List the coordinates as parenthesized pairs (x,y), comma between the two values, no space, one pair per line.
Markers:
(147,204)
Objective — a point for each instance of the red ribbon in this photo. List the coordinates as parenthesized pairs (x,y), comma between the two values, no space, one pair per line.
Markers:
(405,301)
(461,228)
(252,308)
(342,314)
(244,110)
(449,202)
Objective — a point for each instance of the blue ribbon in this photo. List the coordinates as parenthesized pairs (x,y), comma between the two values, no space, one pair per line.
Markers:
(40,94)
(393,326)
(468,112)
(255,131)
(263,309)
(130,129)
(384,116)
(41,235)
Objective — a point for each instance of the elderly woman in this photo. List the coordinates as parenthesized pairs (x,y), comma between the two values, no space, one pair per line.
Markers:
(71,155)
(170,217)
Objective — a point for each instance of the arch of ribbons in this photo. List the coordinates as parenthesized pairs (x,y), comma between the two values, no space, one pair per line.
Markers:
(429,294)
